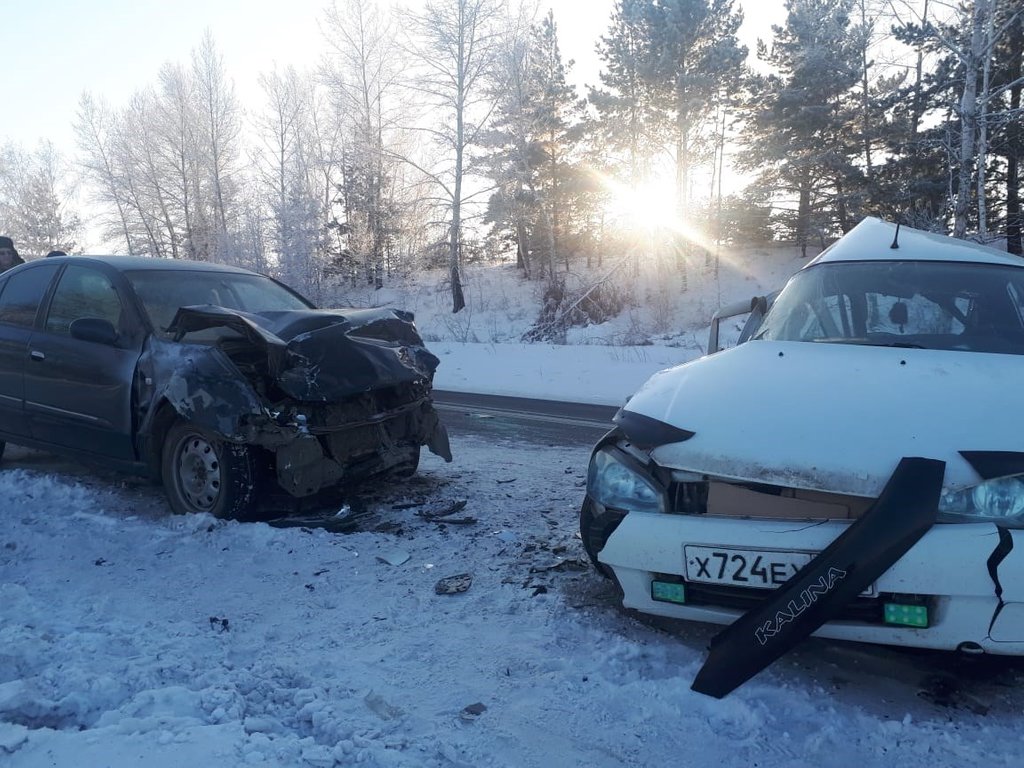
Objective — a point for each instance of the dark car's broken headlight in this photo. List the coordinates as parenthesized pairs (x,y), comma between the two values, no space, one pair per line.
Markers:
(1000,500)
(618,481)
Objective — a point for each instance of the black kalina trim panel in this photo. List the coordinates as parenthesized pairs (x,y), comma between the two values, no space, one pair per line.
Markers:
(993,464)
(645,432)
(818,593)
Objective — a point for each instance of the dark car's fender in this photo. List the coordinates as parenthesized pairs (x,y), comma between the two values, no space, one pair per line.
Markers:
(200,385)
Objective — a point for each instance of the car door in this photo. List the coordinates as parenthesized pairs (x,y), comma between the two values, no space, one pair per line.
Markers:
(78,392)
(20,296)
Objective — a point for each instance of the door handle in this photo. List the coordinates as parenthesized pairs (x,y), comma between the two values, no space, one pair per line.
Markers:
(37,355)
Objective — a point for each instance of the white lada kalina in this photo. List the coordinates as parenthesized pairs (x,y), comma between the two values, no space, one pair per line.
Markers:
(853,469)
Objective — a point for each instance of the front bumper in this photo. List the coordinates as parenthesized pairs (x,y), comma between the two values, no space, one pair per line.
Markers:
(949,565)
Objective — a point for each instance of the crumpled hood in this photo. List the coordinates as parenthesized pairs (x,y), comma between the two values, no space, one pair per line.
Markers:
(325,355)
(834,417)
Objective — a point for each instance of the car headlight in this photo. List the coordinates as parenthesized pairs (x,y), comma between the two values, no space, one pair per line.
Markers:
(615,481)
(1000,500)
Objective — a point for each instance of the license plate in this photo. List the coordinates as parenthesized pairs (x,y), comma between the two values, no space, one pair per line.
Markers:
(756,568)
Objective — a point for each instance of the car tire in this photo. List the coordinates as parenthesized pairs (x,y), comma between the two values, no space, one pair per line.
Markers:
(203,474)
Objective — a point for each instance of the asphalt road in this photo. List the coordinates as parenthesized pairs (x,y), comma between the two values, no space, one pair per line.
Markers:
(543,422)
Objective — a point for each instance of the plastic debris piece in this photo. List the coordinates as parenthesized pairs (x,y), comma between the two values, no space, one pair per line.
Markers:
(472,712)
(393,556)
(453,585)
(568,564)
(445,511)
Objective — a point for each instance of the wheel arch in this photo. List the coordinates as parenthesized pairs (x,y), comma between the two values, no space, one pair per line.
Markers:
(164,414)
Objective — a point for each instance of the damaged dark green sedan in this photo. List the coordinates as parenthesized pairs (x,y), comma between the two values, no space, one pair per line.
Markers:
(231,388)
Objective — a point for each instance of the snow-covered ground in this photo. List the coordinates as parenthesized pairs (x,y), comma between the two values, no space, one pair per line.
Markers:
(132,637)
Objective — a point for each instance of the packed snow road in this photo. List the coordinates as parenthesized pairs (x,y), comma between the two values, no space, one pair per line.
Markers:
(129,637)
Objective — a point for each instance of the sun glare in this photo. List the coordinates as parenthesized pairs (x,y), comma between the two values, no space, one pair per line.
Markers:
(650,208)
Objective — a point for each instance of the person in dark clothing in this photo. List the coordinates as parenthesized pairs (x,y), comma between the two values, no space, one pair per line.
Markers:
(8,254)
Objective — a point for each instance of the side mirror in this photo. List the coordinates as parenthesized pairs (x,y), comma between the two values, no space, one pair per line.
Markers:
(94,329)
(755,309)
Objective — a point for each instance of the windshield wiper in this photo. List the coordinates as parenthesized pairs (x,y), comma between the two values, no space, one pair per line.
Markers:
(862,342)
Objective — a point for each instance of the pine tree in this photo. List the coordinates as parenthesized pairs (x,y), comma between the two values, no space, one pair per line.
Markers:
(535,131)
(800,130)
(627,104)
(697,61)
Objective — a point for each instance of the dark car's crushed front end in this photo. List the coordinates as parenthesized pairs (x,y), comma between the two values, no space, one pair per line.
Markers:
(331,397)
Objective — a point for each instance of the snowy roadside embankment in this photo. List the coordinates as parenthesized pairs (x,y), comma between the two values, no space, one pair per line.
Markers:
(582,374)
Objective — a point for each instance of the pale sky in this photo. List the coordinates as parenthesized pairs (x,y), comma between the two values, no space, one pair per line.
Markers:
(56,49)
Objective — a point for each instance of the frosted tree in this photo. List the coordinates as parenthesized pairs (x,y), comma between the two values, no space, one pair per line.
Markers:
(362,72)
(535,131)
(142,162)
(172,119)
(627,101)
(455,44)
(149,178)
(324,167)
(285,160)
(36,200)
(94,128)
(697,60)
(165,165)
(971,91)
(219,127)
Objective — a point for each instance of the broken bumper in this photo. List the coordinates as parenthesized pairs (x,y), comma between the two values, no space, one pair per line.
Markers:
(949,566)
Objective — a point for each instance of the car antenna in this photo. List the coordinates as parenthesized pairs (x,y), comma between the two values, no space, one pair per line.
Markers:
(896,238)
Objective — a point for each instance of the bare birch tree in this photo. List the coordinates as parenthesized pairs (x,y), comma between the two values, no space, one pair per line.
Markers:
(220,124)
(285,162)
(974,108)
(362,72)
(455,43)
(94,130)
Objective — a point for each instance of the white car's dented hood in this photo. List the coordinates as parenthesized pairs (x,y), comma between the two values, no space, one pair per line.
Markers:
(834,417)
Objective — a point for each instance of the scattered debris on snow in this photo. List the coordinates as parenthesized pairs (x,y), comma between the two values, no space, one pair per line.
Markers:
(453,585)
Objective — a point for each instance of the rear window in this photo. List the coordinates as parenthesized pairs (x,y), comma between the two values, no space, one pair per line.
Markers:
(22,294)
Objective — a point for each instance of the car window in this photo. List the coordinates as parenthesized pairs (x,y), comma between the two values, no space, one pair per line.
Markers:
(162,292)
(934,305)
(22,294)
(82,292)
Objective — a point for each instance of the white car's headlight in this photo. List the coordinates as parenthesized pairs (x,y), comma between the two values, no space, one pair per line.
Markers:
(1000,500)
(613,482)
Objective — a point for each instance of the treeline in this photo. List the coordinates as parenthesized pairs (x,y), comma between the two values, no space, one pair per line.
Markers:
(453,133)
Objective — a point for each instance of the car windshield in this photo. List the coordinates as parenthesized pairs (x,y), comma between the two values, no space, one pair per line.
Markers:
(162,292)
(920,304)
